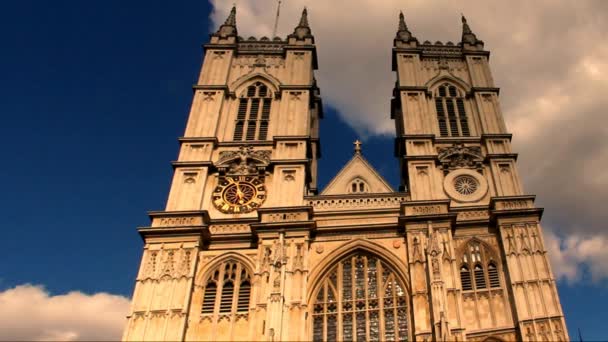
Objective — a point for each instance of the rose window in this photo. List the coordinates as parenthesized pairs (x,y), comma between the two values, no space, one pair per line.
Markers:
(466,185)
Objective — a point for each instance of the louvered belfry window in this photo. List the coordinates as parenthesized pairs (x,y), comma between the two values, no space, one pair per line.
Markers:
(231,284)
(451,114)
(478,270)
(360,299)
(253,113)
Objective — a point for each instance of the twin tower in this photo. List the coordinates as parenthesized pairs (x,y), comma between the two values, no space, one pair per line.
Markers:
(248,248)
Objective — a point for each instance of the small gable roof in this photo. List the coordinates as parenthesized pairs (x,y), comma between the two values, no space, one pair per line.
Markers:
(357,168)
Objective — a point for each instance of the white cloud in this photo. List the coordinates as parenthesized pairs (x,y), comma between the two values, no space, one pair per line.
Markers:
(30,313)
(548,58)
(573,256)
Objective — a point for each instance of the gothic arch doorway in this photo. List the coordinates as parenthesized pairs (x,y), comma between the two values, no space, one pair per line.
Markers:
(360,298)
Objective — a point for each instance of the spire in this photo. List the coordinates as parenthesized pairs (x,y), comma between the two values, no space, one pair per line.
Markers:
(402,25)
(467,34)
(302,31)
(228,29)
(304,18)
(403,33)
(231,20)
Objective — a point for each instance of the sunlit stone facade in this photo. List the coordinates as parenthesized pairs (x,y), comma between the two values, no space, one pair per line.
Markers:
(248,248)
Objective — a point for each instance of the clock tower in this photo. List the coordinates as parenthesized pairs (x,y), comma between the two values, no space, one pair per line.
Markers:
(247,159)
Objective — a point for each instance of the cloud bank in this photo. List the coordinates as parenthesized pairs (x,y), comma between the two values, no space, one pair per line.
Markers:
(30,313)
(549,59)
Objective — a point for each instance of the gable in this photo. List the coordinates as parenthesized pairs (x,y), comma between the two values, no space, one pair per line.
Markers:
(357,171)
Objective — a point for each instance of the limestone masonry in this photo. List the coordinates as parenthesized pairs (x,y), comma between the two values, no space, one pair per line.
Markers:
(248,248)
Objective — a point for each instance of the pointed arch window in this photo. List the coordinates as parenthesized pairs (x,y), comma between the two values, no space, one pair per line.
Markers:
(451,114)
(227,290)
(253,113)
(360,299)
(478,269)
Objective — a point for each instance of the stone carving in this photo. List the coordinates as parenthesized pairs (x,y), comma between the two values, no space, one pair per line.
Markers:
(244,161)
(168,263)
(441,50)
(255,46)
(416,250)
(511,244)
(517,204)
(178,221)
(286,217)
(267,252)
(558,331)
(175,263)
(150,268)
(295,95)
(426,209)
(280,253)
(473,215)
(523,238)
(396,244)
(229,228)
(208,96)
(319,249)
(356,203)
(536,245)
(435,267)
(298,260)
(460,156)
(446,250)
(442,63)
(264,61)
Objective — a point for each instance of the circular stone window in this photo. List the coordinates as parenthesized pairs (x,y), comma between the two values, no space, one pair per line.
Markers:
(465,185)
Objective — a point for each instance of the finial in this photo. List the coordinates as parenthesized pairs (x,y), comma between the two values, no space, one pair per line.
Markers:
(228,29)
(304,18)
(402,25)
(231,20)
(467,34)
(357,144)
(302,31)
(465,26)
(403,33)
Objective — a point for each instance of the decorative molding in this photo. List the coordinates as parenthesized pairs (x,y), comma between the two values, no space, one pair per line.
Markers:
(356,203)
(473,215)
(229,228)
(426,210)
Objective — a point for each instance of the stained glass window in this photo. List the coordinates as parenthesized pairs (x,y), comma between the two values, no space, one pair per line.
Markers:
(360,299)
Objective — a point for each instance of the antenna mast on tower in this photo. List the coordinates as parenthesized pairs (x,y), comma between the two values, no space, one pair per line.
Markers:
(276,20)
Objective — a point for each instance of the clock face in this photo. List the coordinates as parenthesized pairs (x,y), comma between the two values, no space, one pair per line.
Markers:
(239,194)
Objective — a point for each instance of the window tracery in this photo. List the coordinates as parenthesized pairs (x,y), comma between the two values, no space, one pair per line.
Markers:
(451,114)
(360,299)
(253,113)
(227,290)
(478,269)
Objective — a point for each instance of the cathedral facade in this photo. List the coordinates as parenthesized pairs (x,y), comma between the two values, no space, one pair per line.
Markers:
(248,248)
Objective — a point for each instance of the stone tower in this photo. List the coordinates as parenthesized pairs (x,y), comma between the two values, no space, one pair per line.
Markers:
(247,248)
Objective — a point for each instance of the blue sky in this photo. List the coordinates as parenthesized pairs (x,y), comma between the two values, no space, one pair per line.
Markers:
(94,97)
